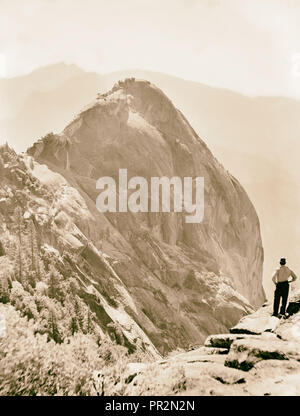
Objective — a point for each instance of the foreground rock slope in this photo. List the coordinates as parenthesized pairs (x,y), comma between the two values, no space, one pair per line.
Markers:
(237,364)
(160,280)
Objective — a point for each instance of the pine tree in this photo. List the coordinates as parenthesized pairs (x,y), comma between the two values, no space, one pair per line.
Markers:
(89,324)
(4,290)
(2,251)
(32,247)
(73,325)
(54,285)
(19,223)
(1,166)
(78,314)
(53,329)
(34,266)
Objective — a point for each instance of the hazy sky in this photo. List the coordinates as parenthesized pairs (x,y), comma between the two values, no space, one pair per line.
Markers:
(252,46)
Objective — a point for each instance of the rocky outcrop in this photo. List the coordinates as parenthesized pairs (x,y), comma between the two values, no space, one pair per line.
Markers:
(246,352)
(256,324)
(240,364)
(185,281)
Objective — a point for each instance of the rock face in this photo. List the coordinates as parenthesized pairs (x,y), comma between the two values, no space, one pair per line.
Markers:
(186,281)
(38,203)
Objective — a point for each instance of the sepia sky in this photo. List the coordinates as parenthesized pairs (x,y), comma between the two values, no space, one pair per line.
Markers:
(252,46)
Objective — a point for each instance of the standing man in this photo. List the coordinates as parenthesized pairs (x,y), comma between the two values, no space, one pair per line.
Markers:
(281,280)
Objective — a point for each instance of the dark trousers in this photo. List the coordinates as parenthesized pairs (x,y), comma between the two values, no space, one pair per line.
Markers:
(281,292)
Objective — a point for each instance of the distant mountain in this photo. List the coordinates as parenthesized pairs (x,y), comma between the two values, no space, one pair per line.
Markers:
(15,91)
(43,109)
(256,138)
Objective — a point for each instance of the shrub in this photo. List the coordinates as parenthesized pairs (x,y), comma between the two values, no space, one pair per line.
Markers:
(30,365)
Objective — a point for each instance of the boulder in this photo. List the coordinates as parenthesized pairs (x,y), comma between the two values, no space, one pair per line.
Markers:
(245,353)
(272,368)
(290,329)
(256,324)
(287,385)
(274,377)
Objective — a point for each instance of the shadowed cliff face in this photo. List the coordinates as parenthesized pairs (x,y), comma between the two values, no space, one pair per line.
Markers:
(185,280)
